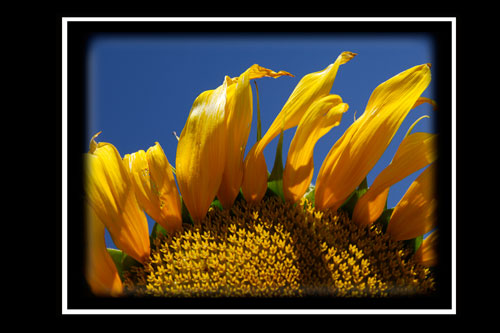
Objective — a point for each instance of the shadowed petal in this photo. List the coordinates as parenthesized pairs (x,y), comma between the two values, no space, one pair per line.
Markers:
(100,270)
(415,152)
(426,253)
(414,215)
(310,88)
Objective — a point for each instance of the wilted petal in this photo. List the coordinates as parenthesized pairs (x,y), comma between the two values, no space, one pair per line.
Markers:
(310,88)
(100,270)
(414,215)
(415,152)
(320,118)
(201,151)
(363,143)
(239,119)
(426,253)
(169,199)
(155,186)
(111,194)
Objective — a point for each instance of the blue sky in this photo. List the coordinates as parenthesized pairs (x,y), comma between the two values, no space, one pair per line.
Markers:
(141,88)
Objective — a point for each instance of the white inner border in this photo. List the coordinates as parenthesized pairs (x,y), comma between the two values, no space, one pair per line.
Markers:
(65,21)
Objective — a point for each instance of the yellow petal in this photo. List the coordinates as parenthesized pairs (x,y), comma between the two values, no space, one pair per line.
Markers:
(422,100)
(426,253)
(201,151)
(255,176)
(321,117)
(169,202)
(100,270)
(364,142)
(257,72)
(93,143)
(413,125)
(239,108)
(111,194)
(137,165)
(414,215)
(155,186)
(310,88)
(415,152)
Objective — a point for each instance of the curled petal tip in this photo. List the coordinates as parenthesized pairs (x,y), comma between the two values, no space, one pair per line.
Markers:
(93,143)
(429,65)
(346,56)
(285,73)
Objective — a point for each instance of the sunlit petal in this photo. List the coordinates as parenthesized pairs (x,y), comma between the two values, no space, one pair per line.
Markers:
(155,186)
(201,151)
(111,194)
(358,150)
(310,88)
(239,119)
(321,117)
(169,200)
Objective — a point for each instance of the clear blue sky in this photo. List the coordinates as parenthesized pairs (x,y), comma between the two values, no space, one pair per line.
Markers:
(140,89)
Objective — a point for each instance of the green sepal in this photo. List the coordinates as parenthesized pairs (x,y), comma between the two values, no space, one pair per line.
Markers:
(415,243)
(157,229)
(350,203)
(123,262)
(117,255)
(259,124)
(186,217)
(216,203)
(384,219)
(363,185)
(418,242)
(310,194)
(239,197)
(275,180)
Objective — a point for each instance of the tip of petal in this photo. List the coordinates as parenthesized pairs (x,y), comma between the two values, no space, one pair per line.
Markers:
(346,56)
(93,143)
(281,73)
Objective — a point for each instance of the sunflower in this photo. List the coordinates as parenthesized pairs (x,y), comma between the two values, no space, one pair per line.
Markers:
(225,226)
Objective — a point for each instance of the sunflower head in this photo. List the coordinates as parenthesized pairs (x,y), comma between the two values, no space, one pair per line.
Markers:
(225,226)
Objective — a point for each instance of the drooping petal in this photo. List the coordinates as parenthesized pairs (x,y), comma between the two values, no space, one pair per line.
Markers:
(426,253)
(201,151)
(414,215)
(100,270)
(169,199)
(155,186)
(415,152)
(310,88)
(239,108)
(364,142)
(324,114)
(111,194)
